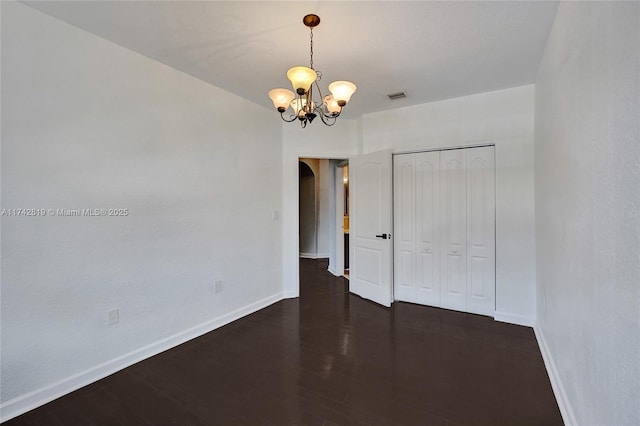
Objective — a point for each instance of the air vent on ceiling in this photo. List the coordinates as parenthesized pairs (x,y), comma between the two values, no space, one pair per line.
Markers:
(396,95)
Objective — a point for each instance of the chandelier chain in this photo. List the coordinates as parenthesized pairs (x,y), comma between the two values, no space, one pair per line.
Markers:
(311,48)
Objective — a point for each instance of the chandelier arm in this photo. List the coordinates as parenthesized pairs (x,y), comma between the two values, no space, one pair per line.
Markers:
(319,94)
(309,100)
(318,86)
(321,112)
(333,114)
(328,121)
(293,117)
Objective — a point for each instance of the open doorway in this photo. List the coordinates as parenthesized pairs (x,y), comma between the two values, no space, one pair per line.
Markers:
(308,209)
(342,211)
(323,223)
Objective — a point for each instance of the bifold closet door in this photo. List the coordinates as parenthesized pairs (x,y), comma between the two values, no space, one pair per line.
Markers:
(404,231)
(481,272)
(453,210)
(444,226)
(416,249)
(427,228)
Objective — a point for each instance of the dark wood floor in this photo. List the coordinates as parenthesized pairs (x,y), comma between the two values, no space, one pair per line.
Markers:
(328,358)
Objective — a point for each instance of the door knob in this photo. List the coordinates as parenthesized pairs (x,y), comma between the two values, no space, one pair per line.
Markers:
(383,236)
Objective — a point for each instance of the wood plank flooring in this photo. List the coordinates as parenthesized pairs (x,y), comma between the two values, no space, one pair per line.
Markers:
(328,358)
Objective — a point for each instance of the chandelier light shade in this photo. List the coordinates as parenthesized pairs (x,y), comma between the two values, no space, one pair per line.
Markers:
(299,106)
(301,99)
(281,98)
(301,79)
(332,104)
(342,91)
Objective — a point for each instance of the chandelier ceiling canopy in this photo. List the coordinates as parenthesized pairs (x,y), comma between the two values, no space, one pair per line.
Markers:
(303,107)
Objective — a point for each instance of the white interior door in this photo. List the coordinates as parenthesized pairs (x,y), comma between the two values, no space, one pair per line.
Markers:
(370,199)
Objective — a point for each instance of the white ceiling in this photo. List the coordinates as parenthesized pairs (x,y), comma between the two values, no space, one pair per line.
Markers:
(433,50)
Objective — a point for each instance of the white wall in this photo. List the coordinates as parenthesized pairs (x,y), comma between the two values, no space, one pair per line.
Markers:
(315,141)
(587,153)
(88,124)
(503,118)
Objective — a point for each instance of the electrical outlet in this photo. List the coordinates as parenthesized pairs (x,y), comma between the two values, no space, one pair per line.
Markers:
(218,286)
(114,316)
(275,215)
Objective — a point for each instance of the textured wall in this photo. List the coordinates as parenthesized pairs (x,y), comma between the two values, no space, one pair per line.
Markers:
(587,153)
(88,124)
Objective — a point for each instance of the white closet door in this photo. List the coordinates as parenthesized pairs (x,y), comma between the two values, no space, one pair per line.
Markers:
(444,225)
(427,166)
(453,262)
(480,230)
(404,228)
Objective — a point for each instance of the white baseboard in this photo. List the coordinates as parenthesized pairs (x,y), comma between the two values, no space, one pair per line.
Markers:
(514,319)
(314,256)
(556,384)
(333,272)
(290,294)
(23,403)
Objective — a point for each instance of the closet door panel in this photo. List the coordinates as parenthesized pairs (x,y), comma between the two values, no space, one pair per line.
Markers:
(427,229)
(404,227)
(481,230)
(453,200)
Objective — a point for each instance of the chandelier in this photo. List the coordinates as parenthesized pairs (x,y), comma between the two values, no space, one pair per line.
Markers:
(302,78)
